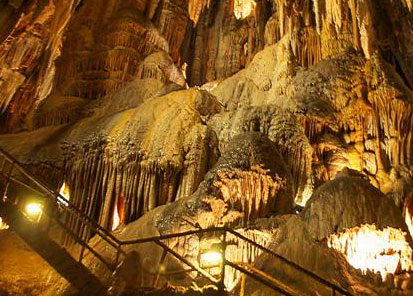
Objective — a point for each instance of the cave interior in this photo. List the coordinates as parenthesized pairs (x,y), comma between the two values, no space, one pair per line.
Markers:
(206,147)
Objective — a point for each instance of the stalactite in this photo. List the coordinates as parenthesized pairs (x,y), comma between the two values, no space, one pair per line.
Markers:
(368,248)
(226,45)
(96,64)
(195,8)
(37,36)
(99,172)
(135,180)
(395,124)
(330,33)
(239,252)
(172,24)
(356,32)
(251,192)
(244,8)
(309,48)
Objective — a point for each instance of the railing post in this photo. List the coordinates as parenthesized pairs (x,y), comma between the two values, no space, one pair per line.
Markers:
(6,188)
(118,255)
(82,251)
(224,261)
(333,292)
(50,211)
(155,282)
(243,278)
(2,164)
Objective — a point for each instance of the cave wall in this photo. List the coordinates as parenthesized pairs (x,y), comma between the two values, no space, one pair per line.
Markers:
(78,51)
(137,104)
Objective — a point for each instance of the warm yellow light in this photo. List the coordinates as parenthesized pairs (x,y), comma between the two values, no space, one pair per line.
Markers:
(244,8)
(211,259)
(33,209)
(409,221)
(65,192)
(3,225)
(367,248)
(116,218)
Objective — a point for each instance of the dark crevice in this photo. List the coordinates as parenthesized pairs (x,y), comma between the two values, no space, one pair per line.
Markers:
(393,60)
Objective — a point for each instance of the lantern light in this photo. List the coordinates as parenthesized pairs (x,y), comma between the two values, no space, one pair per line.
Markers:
(212,257)
(33,209)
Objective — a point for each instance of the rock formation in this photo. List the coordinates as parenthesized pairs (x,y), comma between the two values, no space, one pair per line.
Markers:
(162,116)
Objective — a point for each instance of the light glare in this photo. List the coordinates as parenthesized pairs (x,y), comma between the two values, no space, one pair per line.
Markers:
(116,217)
(3,225)
(367,248)
(33,209)
(211,258)
(65,192)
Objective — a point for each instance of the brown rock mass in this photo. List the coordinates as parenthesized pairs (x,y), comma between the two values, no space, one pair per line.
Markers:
(162,116)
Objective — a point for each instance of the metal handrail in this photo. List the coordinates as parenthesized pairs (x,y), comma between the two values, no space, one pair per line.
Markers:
(117,244)
(237,234)
(259,278)
(56,194)
(173,235)
(68,207)
(292,264)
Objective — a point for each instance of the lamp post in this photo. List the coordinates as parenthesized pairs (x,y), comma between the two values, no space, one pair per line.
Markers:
(212,257)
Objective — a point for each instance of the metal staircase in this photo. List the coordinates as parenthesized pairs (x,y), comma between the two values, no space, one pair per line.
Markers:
(15,179)
(57,257)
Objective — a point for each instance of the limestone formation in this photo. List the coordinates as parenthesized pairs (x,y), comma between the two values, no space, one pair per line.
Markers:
(159,117)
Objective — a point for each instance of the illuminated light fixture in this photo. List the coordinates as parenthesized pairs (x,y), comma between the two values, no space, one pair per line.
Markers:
(33,208)
(33,211)
(212,257)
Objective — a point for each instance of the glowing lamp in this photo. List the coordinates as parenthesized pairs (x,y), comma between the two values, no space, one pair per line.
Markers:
(212,257)
(33,209)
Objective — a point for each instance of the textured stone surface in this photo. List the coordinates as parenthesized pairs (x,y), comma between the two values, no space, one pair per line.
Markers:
(349,201)
(288,94)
